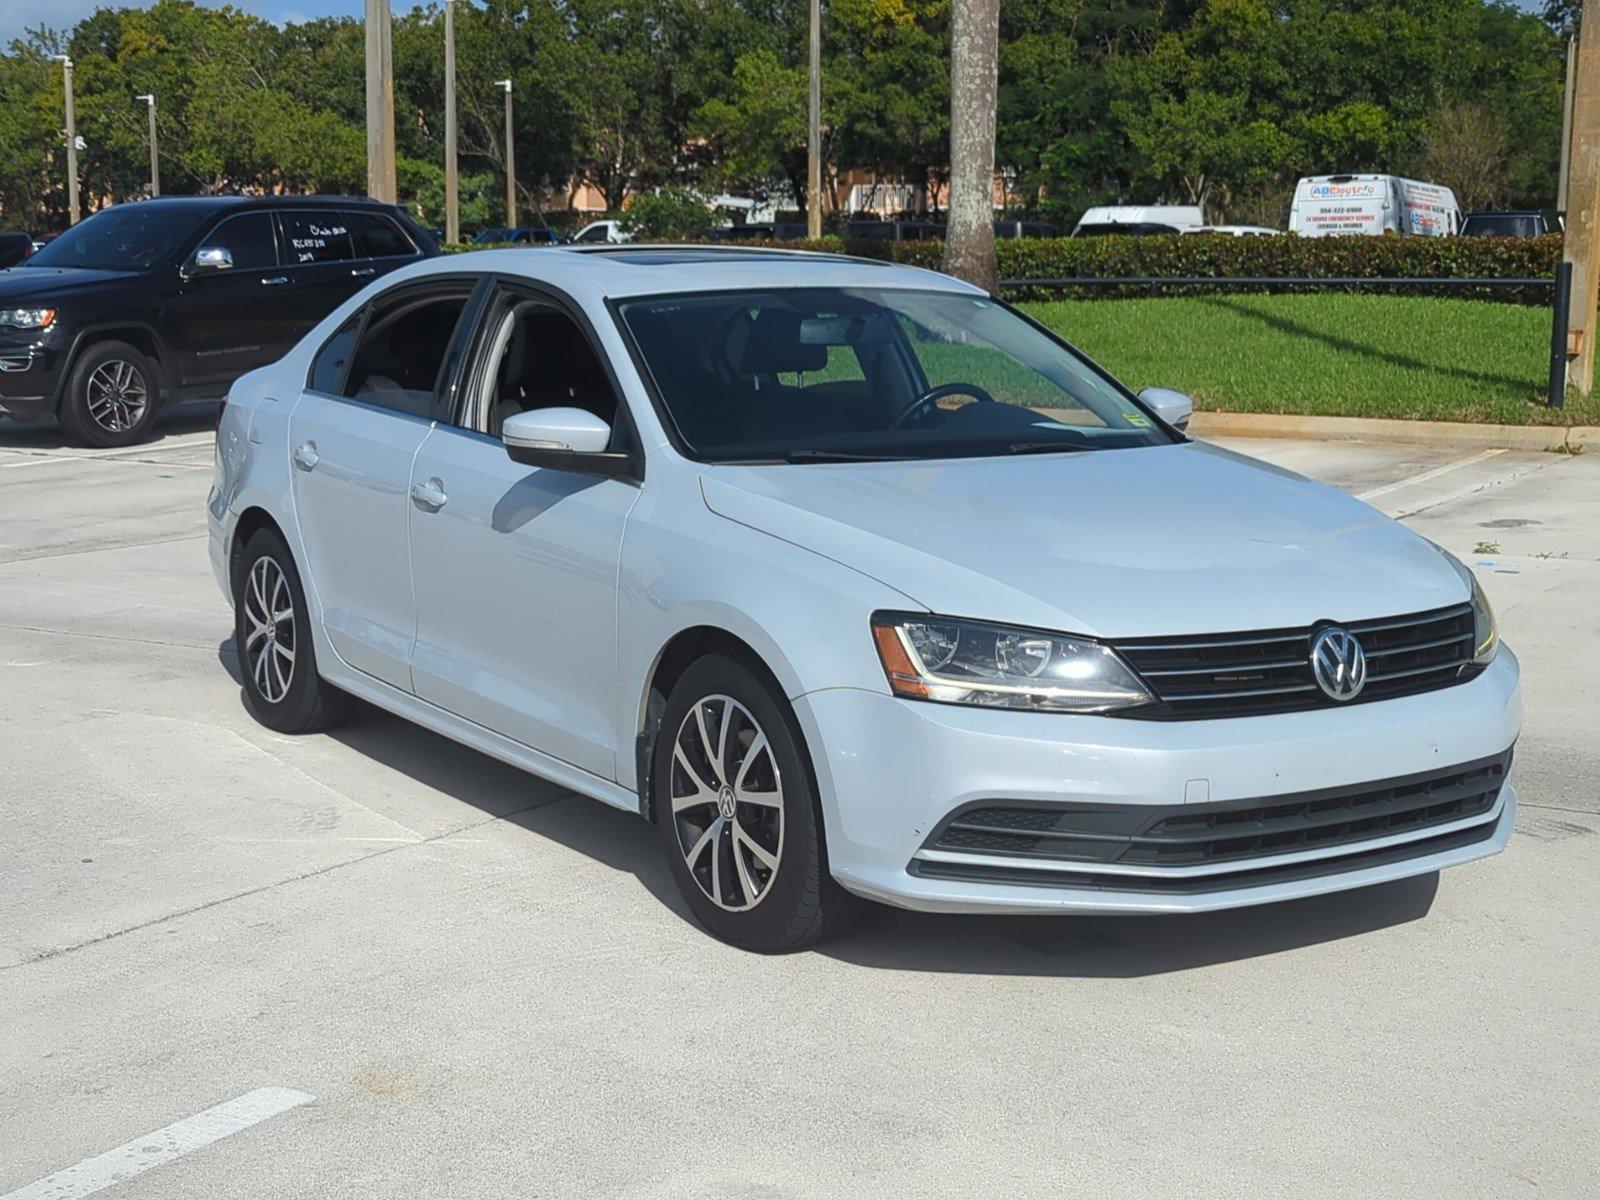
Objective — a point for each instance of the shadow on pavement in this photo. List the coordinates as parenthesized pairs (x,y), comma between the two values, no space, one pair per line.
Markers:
(178,421)
(886,938)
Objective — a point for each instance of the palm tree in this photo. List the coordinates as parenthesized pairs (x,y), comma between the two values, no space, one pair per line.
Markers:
(974,52)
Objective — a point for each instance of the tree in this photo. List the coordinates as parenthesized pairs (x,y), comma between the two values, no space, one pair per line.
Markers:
(974,79)
(1464,148)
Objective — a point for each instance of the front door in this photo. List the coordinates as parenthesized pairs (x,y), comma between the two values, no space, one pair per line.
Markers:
(352,444)
(515,567)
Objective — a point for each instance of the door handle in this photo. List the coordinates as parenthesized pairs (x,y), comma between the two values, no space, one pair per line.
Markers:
(275,281)
(363,271)
(305,455)
(430,494)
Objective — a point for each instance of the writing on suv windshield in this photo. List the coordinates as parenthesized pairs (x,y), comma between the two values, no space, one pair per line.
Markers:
(863,374)
(129,237)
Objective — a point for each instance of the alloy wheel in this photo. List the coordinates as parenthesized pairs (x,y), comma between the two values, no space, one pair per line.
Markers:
(727,803)
(118,395)
(269,644)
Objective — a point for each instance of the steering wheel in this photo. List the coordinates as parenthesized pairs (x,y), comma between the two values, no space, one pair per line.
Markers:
(935,394)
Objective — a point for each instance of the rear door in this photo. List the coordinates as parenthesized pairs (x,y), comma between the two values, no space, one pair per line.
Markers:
(380,244)
(318,247)
(374,391)
(231,321)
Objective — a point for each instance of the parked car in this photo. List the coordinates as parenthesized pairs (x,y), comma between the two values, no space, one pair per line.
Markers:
(522,235)
(1346,205)
(1022,229)
(868,230)
(1138,220)
(1238,230)
(162,301)
(780,231)
(607,232)
(15,246)
(1504,224)
(855,582)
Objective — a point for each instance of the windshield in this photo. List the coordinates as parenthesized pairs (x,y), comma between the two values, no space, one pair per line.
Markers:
(862,373)
(129,237)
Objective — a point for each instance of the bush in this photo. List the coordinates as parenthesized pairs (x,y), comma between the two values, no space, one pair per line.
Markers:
(672,214)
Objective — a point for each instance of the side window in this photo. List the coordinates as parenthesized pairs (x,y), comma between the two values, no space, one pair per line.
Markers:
(249,238)
(402,348)
(376,236)
(537,357)
(316,237)
(327,369)
(595,233)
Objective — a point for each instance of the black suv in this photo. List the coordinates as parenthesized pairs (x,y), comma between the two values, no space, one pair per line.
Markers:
(162,301)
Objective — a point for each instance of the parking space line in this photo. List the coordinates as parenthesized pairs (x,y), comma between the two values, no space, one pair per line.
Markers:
(1479,457)
(134,1158)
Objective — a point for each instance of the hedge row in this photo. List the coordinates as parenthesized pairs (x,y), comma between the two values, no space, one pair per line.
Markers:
(1221,255)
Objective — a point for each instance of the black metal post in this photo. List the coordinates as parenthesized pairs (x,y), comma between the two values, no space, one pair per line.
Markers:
(1560,308)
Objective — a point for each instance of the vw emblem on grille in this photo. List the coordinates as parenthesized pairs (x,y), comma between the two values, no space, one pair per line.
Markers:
(1339,663)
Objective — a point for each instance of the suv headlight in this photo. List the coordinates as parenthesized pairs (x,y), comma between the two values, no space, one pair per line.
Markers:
(957,661)
(1485,636)
(27,318)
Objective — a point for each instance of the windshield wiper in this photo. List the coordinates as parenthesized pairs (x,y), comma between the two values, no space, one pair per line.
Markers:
(1046,448)
(827,456)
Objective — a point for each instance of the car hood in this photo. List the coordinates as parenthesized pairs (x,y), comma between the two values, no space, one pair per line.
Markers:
(1114,543)
(23,283)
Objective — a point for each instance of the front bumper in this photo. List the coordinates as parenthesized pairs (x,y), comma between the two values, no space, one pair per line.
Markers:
(29,380)
(890,771)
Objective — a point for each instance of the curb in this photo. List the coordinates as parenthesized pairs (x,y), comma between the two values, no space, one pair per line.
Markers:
(1374,429)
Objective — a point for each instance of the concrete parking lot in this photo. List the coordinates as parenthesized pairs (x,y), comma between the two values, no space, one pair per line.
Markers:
(475,985)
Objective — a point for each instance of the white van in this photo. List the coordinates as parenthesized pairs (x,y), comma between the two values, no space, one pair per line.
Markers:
(603,231)
(1340,205)
(1127,219)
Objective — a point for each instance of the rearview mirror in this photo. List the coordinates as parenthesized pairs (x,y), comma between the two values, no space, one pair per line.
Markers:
(1172,407)
(211,258)
(565,439)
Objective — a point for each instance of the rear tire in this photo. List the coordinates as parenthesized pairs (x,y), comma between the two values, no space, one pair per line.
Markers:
(272,634)
(112,394)
(738,812)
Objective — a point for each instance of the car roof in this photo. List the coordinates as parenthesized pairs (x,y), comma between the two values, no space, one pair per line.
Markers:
(615,272)
(218,203)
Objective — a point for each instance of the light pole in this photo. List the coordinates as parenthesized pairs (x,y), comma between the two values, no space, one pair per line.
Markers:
(814,129)
(380,103)
(452,198)
(72,140)
(155,164)
(511,161)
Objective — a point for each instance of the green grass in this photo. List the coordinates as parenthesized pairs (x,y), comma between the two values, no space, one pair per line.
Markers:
(1335,354)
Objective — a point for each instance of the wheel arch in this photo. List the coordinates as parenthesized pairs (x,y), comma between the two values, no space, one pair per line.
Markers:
(251,521)
(140,336)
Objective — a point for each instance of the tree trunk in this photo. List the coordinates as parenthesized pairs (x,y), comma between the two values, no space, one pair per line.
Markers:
(974,67)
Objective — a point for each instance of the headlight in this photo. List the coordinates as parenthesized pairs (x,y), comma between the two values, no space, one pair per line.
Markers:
(27,318)
(1485,637)
(957,661)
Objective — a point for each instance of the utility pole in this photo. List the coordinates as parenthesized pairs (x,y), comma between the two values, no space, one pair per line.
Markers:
(511,160)
(73,211)
(1566,123)
(814,129)
(155,163)
(452,198)
(974,84)
(380,103)
(1581,247)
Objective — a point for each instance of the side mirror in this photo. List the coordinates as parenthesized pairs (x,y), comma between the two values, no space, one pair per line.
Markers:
(565,439)
(209,259)
(1172,407)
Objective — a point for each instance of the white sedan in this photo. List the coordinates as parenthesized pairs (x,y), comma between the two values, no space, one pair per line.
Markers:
(856,583)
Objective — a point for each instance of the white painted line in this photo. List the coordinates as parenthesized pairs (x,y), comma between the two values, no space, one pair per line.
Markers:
(36,461)
(165,444)
(1427,475)
(183,1137)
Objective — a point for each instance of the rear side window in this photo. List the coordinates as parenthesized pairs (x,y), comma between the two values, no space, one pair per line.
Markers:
(327,369)
(316,237)
(377,236)
(249,238)
(402,349)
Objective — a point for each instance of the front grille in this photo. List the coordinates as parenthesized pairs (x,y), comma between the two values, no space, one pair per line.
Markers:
(1255,674)
(1183,835)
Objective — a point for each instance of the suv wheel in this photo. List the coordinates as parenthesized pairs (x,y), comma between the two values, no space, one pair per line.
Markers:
(738,812)
(111,397)
(272,633)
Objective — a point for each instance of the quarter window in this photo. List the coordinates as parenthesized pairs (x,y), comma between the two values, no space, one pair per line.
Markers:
(316,237)
(250,239)
(327,369)
(397,362)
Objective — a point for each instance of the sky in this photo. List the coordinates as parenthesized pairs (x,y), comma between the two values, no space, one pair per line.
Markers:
(18,15)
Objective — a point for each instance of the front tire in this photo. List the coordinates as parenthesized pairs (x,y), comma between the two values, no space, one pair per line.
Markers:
(112,395)
(738,812)
(272,633)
